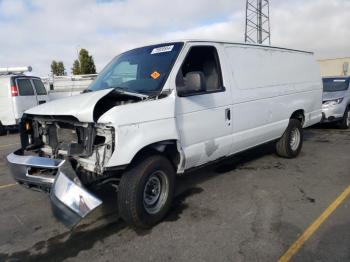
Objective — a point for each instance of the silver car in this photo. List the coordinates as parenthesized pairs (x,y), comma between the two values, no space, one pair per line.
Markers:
(336,101)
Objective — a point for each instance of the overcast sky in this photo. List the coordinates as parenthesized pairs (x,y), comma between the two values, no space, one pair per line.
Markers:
(34,32)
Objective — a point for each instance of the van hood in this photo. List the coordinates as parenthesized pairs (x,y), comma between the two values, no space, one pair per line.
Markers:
(333,95)
(86,107)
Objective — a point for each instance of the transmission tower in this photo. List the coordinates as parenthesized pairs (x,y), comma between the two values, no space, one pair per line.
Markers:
(257,24)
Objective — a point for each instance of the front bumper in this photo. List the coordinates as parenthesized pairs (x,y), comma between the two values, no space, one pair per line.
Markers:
(332,113)
(70,201)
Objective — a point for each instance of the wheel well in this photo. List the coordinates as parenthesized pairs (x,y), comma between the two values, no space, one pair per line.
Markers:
(167,148)
(299,115)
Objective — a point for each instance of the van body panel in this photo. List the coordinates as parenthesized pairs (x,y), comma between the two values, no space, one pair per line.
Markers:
(156,124)
(80,106)
(268,86)
(205,133)
(7,114)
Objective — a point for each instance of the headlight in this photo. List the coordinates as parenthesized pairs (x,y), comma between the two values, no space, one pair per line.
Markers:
(333,102)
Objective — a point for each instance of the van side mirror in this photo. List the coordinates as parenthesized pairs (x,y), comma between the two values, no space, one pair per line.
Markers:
(194,83)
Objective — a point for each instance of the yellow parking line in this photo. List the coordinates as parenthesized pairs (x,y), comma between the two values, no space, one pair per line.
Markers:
(314,226)
(6,186)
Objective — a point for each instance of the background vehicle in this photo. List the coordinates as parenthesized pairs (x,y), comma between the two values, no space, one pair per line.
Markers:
(18,93)
(161,110)
(336,101)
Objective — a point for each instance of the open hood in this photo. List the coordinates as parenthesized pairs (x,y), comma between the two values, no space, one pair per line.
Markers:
(87,107)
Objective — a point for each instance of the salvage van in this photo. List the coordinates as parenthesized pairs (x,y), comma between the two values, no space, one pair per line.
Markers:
(158,111)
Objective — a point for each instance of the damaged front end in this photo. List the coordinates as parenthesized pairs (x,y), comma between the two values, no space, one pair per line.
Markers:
(65,158)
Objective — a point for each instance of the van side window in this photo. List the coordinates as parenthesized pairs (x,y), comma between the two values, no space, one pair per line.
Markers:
(203,59)
(39,87)
(25,88)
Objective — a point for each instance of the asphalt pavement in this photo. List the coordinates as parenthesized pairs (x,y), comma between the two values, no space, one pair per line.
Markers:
(251,207)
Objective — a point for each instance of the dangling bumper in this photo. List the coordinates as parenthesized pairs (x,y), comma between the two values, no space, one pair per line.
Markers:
(70,201)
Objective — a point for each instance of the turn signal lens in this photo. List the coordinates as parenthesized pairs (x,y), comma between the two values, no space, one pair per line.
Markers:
(27,126)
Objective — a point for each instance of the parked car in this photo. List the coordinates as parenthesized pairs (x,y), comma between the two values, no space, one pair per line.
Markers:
(336,101)
(18,93)
(157,111)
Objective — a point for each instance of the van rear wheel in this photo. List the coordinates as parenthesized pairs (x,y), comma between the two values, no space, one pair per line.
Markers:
(146,191)
(290,144)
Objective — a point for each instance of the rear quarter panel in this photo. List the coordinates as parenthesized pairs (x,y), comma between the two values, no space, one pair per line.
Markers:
(7,116)
(268,86)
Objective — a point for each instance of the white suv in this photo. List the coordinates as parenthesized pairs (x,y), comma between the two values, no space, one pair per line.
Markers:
(336,101)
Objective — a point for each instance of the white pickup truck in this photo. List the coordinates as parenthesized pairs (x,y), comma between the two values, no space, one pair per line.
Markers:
(158,111)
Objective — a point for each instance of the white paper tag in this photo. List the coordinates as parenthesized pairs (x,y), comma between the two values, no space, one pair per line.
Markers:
(163,49)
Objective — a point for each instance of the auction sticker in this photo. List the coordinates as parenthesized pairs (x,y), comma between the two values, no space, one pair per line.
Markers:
(162,49)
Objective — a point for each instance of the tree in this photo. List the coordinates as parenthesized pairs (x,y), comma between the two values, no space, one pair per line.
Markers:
(61,71)
(84,64)
(76,67)
(54,67)
(57,68)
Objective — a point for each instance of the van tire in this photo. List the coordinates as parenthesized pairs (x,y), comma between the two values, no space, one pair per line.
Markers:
(290,144)
(138,207)
(345,122)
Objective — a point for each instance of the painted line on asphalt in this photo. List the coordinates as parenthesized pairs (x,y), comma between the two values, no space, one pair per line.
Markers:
(8,185)
(314,226)
(3,146)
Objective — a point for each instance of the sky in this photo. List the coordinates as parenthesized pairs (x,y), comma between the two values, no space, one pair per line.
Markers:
(35,32)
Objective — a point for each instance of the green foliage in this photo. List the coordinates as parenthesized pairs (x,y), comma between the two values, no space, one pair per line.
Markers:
(85,64)
(76,67)
(57,68)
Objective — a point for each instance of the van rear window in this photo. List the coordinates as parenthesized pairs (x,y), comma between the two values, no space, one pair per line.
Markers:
(335,84)
(25,87)
(39,87)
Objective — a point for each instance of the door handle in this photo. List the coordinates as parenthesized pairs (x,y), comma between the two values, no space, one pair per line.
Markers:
(228,114)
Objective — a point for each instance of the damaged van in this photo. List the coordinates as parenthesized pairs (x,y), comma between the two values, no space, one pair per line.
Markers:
(158,111)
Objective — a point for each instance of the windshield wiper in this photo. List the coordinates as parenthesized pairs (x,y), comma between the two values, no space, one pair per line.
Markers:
(129,92)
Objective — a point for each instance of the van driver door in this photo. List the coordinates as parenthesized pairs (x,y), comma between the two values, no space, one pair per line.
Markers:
(203,115)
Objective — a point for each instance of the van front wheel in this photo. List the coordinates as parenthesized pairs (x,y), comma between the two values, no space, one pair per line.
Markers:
(146,191)
(291,142)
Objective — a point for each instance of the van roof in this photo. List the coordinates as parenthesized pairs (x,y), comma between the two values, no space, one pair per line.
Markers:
(17,75)
(234,43)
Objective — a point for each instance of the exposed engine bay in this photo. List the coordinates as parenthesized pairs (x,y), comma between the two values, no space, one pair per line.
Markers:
(87,146)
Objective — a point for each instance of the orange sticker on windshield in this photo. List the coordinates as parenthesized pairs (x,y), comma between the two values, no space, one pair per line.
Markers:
(155,75)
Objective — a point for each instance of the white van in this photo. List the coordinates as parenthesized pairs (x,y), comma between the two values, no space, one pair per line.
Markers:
(18,93)
(158,111)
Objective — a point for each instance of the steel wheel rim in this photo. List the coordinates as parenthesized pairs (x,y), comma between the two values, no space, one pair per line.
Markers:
(348,119)
(155,192)
(294,139)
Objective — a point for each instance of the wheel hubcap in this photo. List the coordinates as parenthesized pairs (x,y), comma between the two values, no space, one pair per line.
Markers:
(348,119)
(295,139)
(155,192)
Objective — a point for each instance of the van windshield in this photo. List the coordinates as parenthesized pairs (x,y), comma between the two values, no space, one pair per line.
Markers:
(143,70)
(335,84)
